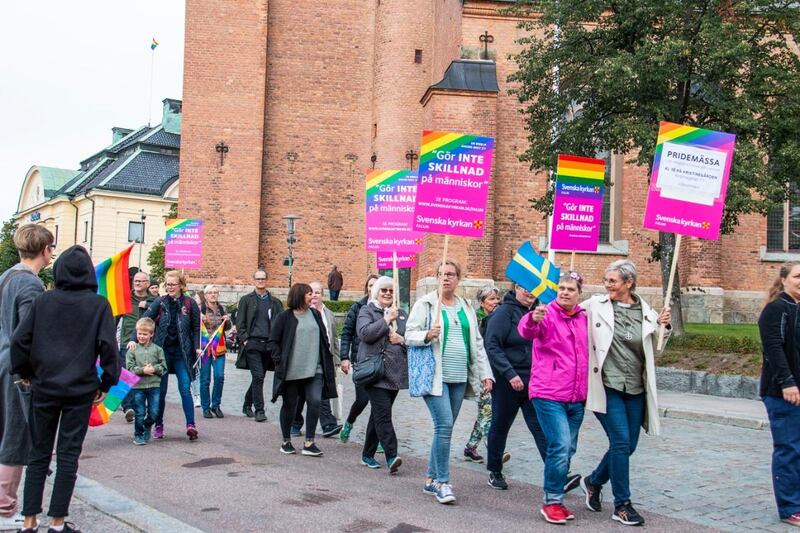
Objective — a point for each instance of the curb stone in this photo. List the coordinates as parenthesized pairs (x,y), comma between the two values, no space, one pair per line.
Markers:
(683,414)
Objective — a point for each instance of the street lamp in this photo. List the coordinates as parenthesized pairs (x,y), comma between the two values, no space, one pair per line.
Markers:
(140,240)
(290,239)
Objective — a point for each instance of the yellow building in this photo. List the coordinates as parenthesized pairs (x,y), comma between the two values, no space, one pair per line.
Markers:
(118,196)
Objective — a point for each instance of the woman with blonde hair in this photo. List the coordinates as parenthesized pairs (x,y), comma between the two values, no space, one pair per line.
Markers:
(780,377)
(213,314)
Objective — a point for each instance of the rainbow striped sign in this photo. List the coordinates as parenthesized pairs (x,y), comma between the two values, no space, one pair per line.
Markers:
(183,246)
(689,182)
(114,282)
(454,175)
(578,203)
(101,413)
(390,212)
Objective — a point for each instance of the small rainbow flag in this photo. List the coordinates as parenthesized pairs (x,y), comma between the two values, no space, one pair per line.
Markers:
(114,283)
(101,413)
(585,172)
(153,44)
(213,345)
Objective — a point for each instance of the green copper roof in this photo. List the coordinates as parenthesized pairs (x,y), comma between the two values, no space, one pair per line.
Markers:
(54,178)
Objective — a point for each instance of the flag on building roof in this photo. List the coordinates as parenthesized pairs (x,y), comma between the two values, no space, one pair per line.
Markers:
(153,44)
(114,282)
(534,273)
(101,413)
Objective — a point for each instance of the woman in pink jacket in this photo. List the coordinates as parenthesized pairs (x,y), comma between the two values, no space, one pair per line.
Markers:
(558,384)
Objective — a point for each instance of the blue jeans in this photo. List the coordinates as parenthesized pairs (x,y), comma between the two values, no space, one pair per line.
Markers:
(127,401)
(147,404)
(218,366)
(560,422)
(177,365)
(784,423)
(444,411)
(622,422)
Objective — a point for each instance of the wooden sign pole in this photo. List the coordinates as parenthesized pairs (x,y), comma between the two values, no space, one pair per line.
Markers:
(668,297)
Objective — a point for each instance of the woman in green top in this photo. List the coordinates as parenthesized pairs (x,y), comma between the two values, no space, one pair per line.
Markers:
(299,347)
(623,332)
(461,367)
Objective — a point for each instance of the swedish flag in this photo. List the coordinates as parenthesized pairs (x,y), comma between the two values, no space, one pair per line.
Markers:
(535,273)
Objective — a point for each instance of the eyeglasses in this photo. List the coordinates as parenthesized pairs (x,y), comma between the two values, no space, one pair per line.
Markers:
(607,281)
(260,279)
(140,281)
(449,275)
(387,291)
(51,247)
(172,284)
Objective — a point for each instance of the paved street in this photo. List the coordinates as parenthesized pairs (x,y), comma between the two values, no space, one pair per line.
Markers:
(696,475)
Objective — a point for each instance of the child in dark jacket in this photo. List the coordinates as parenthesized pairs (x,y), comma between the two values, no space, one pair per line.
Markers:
(55,348)
(147,361)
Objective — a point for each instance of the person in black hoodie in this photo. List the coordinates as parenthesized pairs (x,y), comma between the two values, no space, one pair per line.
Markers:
(348,353)
(780,377)
(57,356)
(510,358)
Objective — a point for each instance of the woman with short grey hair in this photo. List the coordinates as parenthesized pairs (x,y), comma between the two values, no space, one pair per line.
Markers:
(623,331)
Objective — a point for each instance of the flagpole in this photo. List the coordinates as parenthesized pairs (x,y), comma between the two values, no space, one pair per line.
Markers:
(150,97)
(441,281)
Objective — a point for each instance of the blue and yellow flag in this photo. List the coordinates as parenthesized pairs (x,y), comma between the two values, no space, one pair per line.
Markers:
(534,273)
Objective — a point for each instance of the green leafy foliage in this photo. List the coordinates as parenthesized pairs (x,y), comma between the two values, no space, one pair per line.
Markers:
(155,257)
(339,306)
(8,252)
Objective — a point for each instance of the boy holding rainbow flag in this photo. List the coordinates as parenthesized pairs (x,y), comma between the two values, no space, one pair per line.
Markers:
(147,361)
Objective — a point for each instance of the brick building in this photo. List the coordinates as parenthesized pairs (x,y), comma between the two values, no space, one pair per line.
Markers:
(306,95)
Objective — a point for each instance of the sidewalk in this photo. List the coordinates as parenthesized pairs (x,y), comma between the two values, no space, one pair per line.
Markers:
(702,408)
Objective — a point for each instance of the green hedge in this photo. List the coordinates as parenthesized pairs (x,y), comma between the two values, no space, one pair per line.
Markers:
(339,306)
(705,342)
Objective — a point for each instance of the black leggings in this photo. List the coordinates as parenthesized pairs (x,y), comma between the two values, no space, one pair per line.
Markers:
(311,388)
(360,403)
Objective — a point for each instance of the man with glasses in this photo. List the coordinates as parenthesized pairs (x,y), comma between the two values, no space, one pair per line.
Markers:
(254,319)
(140,302)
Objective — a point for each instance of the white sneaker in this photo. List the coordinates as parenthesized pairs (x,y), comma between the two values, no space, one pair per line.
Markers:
(197,401)
(11,522)
(444,493)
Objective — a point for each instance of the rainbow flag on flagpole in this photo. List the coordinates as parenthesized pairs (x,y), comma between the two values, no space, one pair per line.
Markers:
(114,282)
(210,346)
(534,273)
(153,44)
(101,413)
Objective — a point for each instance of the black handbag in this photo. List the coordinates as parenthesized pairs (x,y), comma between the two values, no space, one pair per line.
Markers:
(368,371)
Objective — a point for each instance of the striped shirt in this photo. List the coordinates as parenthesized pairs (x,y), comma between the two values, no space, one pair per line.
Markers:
(454,355)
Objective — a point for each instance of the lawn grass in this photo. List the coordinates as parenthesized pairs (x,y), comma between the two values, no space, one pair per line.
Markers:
(724,330)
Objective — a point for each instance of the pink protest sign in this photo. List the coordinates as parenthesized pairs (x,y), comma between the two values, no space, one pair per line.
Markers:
(183,243)
(454,174)
(689,181)
(404,260)
(390,212)
(578,203)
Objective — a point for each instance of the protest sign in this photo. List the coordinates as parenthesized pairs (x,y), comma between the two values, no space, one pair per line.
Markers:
(578,203)
(390,212)
(689,181)
(183,243)
(404,260)
(454,175)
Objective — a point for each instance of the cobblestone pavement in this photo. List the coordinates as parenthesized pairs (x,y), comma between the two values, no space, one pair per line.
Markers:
(709,474)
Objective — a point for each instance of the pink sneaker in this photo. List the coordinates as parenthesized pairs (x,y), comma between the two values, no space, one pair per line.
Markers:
(793,520)
(191,431)
(159,431)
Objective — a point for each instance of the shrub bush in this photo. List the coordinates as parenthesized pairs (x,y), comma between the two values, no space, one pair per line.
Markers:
(715,343)
(339,306)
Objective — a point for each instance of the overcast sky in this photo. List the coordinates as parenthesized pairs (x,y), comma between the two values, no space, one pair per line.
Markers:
(69,71)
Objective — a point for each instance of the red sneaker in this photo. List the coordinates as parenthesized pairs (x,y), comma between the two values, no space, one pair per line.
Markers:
(567,513)
(793,520)
(191,431)
(554,513)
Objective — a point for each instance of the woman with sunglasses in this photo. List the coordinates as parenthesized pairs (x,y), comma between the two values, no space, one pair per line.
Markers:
(380,328)
(461,367)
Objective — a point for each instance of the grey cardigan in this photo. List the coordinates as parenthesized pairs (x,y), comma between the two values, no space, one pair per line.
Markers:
(373,331)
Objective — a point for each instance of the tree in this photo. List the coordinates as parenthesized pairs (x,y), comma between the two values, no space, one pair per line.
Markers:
(155,258)
(599,76)
(10,257)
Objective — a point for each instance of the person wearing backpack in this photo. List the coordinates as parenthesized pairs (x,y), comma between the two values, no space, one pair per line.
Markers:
(177,319)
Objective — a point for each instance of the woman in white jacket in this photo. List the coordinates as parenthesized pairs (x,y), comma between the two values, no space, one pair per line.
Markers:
(461,368)
(623,331)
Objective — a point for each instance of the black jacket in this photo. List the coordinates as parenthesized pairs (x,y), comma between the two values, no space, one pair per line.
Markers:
(188,326)
(348,347)
(509,354)
(57,344)
(280,344)
(374,334)
(246,313)
(778,328)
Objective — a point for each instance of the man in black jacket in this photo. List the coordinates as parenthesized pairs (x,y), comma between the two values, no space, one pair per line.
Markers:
(55,348)
(510,358)
(254,318)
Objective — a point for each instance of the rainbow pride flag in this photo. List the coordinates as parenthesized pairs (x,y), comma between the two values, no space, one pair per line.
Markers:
(101,413)
(114,282)
(153,44)
(584,172)
(213,345)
